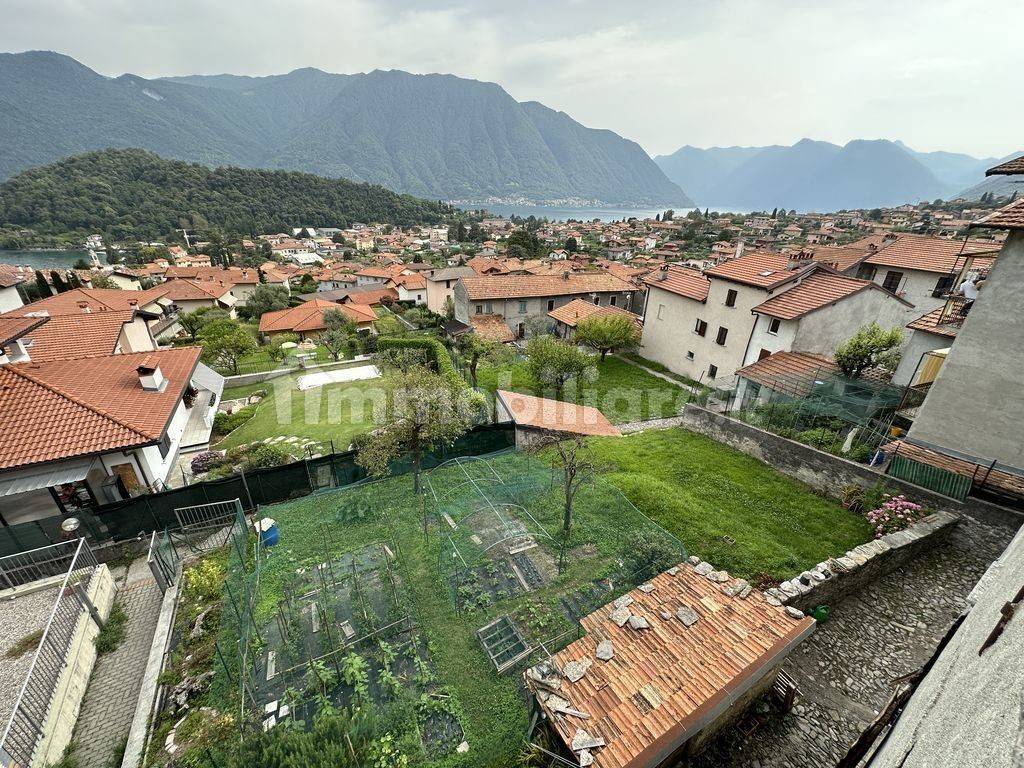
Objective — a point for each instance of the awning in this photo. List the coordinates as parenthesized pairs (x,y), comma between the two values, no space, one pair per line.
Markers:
(205,377)
(29,480)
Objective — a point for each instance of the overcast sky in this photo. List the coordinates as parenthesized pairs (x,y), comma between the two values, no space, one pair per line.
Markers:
(944,74)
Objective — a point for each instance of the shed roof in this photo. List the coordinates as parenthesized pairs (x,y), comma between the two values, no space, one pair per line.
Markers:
(578,310)
(556,415)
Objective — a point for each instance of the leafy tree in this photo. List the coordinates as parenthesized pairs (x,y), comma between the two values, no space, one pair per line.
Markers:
(460,232)
(571,245)
(101,280)
(340,328)
(337,320)
(82,264)
(552,363)
(523,244)
(475,348)
(448,310)
(192,322)
(225,343)
(265,298)
(427,411)
(607,333)
(871,346)
(577,467)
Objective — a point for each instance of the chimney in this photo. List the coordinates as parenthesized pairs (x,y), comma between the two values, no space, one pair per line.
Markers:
(663,272)
(150,376)
(84,306)
(739,249)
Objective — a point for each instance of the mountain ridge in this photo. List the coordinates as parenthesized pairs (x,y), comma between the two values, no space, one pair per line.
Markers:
(436,136)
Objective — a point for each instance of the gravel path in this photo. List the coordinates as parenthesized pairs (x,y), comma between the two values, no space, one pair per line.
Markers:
(18,619)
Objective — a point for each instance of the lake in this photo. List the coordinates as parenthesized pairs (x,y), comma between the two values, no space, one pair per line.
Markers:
(582,214)
(44,259)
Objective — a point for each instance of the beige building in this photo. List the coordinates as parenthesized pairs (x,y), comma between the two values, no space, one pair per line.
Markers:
(441,286)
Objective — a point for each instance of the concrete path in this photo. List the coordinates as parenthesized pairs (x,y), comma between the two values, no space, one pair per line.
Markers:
(656,374)
(110,700)
(845,669)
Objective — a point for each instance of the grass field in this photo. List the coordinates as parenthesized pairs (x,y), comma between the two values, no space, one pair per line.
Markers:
(335,412)
(623,392)
(721,505)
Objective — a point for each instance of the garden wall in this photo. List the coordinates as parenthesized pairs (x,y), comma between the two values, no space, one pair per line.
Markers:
(823,471)
(830,581)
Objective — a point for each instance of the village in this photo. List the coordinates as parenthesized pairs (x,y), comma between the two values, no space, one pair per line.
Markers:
(707,489)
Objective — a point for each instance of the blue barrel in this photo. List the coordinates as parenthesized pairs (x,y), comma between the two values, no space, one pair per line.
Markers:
(268,532)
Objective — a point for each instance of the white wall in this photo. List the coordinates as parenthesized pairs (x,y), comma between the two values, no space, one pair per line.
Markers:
(10,299)
(158,467)
(916,286)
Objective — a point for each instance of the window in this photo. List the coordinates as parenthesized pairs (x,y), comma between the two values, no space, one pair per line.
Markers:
(773,326)
(723,333)
(866,272)
(730,298)
(892,280)
(165,445)
(597,300)
(490,308)
(447,283)
(689,355)
(763,354)
(712,372)
(551,304)
(479,309)
(611,301)
(944,286)
(661,311)
(522,307)
(700,327)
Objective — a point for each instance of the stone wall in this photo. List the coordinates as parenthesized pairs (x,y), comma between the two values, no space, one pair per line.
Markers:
(823,471)
(830,581)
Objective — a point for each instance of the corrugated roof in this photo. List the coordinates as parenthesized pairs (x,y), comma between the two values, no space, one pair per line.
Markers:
(664,683)
(62,409)
(1010,217)
(525,286)
(816,290)
(681,281)
(928,254)
(556,415)
(578,310)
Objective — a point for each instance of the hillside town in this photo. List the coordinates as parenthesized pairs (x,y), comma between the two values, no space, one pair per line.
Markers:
(703,489)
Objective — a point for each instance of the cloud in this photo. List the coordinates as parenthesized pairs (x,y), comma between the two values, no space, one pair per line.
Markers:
(939,75)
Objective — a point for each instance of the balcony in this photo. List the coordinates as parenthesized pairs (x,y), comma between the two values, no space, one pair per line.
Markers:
(955,311)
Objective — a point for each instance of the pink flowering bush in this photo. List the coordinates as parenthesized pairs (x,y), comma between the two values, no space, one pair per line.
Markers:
(895,514)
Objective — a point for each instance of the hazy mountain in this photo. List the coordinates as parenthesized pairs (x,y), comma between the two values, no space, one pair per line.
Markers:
(436,136)
(999,186)
(131,193)
(953,168)
(809,175)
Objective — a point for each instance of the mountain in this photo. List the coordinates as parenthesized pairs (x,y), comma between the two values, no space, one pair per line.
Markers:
(998,186)
(134,194)
(808,176)
(436,136)
(953,168)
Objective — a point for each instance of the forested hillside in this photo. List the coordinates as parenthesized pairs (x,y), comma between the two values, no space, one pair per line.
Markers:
(131,193)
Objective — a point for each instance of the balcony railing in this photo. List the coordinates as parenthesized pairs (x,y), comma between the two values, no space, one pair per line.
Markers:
(955,311)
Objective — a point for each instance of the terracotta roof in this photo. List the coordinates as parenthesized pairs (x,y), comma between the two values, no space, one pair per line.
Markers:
(309,316)
(522,286)
(1010,217)
(680,280)
(556,415)
(451,273)
(1004,481)
(233,275)
(62,409)
(195,290)
(762,269)
(928,254)
(83,335)
(791,372)
(492,328)
(817,290)
(929,323)
(578,310)
(410,282)
(1009,168)
(11,275)
(13,328)
(668,681)
(841,257)
(374,272)
(483,264)
(80,300)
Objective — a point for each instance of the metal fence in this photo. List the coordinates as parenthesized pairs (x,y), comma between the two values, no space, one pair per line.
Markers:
(162,559)
(22,735)
(934,478)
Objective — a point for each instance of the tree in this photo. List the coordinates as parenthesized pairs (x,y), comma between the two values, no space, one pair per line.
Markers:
(571,245)
(225,343)
(427,411)
(58,282)
(871,346)
(100,280)
(448,310)
(340,328)
(552,363)
(42,286)
(460,232)
(193,322)
(475,348)
(607,333)
(266,298)
(523,244)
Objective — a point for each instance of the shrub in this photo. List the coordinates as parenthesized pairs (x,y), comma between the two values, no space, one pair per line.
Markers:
(267,456)
(113,632)
(818,438)
(895,514)
(224,423)
(207,460)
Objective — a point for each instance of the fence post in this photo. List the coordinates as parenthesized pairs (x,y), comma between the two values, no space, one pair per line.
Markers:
(245,485)
(152,514)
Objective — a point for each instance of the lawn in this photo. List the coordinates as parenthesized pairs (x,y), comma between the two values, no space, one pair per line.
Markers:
(335,412)
(623,392)
(719,504)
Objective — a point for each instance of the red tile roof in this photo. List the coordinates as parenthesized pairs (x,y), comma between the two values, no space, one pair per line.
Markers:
(928,254)
(578,310)
(492,328)
(11,275)
(231,275)
(13,328)
(83,335)
(790,372)
(62,409)
(1010,217)
(1009,168)
(929,323)
(556,415)
(309,316)
(668,681)
(183,289)
(80,300)
(817,290)
(524,286)
(762,269)
(680,280)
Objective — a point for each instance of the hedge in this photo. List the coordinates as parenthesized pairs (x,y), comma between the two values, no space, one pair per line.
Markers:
(436,350)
